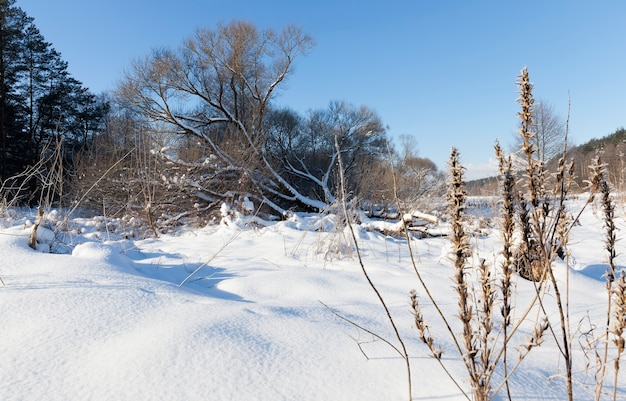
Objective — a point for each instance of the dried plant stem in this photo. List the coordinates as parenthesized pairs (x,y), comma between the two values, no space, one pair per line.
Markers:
(565,348)
(534,341)
(540,221)
(427,339)
(508,228)
(544,225)
(215,254)
(476,320)
(418,317)
(392,322)
(609,210)
(358,326)
(488,298)
(32,242)
(619,328)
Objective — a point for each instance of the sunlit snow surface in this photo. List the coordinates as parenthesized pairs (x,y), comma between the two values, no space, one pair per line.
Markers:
(108,320)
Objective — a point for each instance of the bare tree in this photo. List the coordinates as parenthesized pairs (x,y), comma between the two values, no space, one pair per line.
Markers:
(548,132)
(417,176)
(356,133)
(217,87)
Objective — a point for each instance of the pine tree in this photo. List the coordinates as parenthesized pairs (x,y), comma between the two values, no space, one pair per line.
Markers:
(40,102)
(12,23)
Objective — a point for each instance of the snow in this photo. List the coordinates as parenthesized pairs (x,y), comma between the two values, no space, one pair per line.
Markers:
(109,320)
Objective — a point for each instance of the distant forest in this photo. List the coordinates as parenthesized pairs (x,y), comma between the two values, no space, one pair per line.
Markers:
(611,149)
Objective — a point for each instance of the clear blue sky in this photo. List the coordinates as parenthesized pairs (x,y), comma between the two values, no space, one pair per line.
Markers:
(442,71)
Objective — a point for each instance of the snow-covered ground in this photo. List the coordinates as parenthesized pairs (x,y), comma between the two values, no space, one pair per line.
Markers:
(108,319)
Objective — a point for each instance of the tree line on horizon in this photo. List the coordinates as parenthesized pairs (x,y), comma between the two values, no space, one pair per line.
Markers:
(190,129)
(611,148)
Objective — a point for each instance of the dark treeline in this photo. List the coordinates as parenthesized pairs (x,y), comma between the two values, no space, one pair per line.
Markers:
(42,107)
(610,148)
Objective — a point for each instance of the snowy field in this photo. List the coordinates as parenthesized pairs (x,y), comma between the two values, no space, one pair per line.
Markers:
(106,318)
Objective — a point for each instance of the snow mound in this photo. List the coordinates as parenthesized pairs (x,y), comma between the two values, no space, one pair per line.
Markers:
(110,253)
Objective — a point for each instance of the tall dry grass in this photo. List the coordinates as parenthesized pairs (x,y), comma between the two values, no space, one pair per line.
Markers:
(535,224)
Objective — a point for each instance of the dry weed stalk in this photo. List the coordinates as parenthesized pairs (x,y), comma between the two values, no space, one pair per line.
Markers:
(422,327)
(477,299)
(543,224)
(344,205)
(32,242)
(598,180)
(616,290)
(508,229)
(416,309)
(485,330)
(475,307)
(535,255)
(619,327)
(535,231)
(461,251)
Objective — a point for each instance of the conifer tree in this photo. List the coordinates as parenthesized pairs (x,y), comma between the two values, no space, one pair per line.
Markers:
(40,103)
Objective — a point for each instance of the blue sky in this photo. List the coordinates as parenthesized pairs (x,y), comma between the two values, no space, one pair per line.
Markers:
(442,71)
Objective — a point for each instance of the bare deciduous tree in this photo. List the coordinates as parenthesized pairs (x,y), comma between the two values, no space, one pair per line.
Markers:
(356,133)
(548,132)
(217,87)
(417,176)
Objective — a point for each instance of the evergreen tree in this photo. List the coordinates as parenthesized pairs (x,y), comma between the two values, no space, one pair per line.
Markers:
(12,23)
(40,102)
